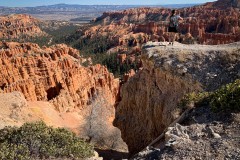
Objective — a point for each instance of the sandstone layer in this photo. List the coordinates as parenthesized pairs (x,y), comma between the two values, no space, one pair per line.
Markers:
(149,99)
(55,75)
(19,26)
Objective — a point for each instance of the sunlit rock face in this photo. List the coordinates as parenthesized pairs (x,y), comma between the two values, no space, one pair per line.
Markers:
(83,96)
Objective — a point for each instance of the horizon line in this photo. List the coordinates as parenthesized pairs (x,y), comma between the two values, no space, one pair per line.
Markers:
(106,5)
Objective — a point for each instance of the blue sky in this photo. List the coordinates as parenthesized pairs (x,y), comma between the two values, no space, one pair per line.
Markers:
(30,3)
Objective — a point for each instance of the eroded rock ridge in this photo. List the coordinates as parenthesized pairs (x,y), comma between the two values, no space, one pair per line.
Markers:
(55,75)
(18,26)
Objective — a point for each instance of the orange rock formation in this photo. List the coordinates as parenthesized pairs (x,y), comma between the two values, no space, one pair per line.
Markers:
(222,25)
(55,75)
(40,74)
(15,26)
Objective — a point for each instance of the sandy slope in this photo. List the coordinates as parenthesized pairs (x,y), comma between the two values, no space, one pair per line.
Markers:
(15,110)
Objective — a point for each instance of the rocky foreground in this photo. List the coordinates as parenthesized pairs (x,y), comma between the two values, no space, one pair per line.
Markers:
(202,135)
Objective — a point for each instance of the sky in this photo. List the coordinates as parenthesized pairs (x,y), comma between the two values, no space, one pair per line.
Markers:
(31,3)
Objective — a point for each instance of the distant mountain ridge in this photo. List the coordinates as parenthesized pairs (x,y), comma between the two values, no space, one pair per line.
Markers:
(227,3)
(180,5)
(223,4)
(99,9)
(80,8)
(75,12)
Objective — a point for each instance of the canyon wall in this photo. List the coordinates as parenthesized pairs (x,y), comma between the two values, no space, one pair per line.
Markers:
(55,75)
(147,106)
(149,99)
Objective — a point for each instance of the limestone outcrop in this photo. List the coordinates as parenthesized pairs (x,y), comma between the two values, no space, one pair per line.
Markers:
(55,75)
(19,26)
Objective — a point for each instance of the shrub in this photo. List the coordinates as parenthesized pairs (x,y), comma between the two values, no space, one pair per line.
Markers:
(198,99)
(227,98)
(37,140)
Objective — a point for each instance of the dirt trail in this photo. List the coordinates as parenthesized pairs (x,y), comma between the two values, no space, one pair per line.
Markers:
(192,47)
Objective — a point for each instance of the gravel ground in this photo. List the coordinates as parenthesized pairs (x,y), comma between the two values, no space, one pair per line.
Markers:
(203,135)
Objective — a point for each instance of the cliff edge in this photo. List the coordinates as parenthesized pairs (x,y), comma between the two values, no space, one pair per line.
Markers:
(149,99)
